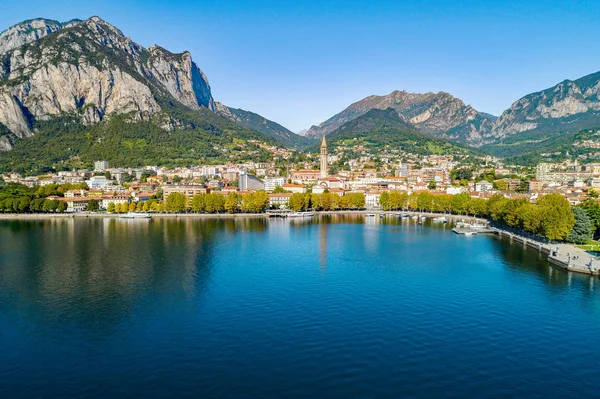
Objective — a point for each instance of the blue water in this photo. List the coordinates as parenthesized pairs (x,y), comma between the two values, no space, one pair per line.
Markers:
(341,307)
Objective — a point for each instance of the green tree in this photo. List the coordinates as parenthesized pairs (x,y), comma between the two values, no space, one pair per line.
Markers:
(432,185)
(110,207)
(384,200)
(232,202)
(297,202)
(62,206)
(582,229)
(460,203)
(557,218)
(93,206)
(198,203)
(176,202)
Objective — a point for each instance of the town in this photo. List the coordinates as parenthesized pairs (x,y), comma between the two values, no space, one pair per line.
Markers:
(114,189)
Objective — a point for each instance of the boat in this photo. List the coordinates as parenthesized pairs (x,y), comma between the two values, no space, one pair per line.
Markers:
(307,214)
(415,217)
(404,216)
(381,215)
(370,215)
(441,219)
(133,215)
(479,226)
(423,218)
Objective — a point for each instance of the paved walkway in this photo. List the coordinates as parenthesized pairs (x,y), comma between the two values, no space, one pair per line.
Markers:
(574,259)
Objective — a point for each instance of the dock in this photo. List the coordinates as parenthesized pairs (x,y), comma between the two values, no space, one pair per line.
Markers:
(565,256)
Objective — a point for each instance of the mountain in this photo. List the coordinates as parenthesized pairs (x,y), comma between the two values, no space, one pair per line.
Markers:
(59,78)
(261,124)
(29,31)
(379,128)
(435,114)
(565,108)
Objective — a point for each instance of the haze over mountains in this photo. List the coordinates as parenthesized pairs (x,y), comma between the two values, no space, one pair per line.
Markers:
(58,80)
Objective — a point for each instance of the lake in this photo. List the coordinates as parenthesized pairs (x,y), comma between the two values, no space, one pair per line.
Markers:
(337,307)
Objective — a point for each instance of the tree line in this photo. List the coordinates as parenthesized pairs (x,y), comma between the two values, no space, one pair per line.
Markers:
(550,217)
(326,201)
(18,198)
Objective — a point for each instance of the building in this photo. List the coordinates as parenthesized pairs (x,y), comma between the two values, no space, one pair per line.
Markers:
(249,182)
(117,199)
(279,201)
(484,186)
(188,190)
(372,200)
(323,157)
(273,182)
(535,186)
(98,183)
(294,188)
(100,166)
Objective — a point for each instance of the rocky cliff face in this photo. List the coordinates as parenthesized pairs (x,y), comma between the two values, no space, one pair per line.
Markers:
(436,114)
(29,31)
(568,106)
(89,70)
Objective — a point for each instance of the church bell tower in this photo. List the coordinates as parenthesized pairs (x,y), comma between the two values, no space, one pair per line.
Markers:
(323,158)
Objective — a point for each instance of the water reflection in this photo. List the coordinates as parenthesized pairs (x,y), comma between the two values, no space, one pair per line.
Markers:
(96,271)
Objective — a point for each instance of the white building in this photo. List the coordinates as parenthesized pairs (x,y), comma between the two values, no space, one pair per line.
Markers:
(100,166)
(372,200)
(98,183)
(484,186)
(273,182)
(249,182)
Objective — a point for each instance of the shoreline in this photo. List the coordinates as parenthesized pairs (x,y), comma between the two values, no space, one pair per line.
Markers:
(576,261)
(84,215)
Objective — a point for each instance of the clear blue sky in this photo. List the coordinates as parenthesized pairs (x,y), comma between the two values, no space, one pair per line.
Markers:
(300,62)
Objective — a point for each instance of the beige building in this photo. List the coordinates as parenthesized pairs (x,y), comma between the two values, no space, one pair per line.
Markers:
(189,190)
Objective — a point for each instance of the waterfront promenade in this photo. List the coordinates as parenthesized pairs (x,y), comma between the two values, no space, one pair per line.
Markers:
(565,256)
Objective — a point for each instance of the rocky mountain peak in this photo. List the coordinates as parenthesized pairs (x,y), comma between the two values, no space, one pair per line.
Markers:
(90,70)
(28,31)
(438,114)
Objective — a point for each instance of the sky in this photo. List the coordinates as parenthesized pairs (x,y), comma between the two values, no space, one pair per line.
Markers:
(300,62)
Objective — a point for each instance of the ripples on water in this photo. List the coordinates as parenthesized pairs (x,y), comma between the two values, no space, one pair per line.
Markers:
(339,307)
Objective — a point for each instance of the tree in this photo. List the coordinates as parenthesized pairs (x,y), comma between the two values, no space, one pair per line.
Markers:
(93,206)
(501,185)
(131,207)
(279,190)
(50,205)
(432,185)
(139,207)
(461,174)
(297,202)
(460,203)
(176,202)
(62,206)
(198,203)
(110,207)
(231,203)
(384,200)
(582,230)
(557,218)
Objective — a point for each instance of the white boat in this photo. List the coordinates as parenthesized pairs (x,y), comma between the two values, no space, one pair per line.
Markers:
(404,216)
(307,214)
(415,217)
(440,219)
(381,215)
(133,215)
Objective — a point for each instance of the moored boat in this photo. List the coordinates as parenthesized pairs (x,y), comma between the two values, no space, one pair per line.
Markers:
(133,215)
